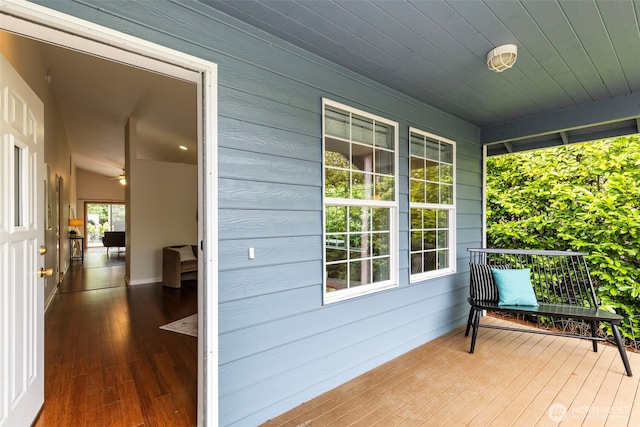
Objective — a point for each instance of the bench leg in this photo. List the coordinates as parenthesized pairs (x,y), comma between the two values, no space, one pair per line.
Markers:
(476,325)
(466,333)
(621,349)
(594,333)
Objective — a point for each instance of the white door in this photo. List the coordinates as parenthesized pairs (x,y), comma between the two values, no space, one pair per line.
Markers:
(21,235)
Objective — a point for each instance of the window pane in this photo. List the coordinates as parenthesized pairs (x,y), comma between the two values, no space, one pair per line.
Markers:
(429,241)
(416,219)
(432,192)
(446,194)
(432,171)
(416,241)
(443,259)
(355,219)
(446,173)
(362,158)
(443,218)
(446,153)
(432,149)
(335,219)
(384,162)
(362,129)
(358,246)
(443,239)
(117,217)
(336,154)
(417,191)
(380,244)
(417,168)
(336,123)
(417,145)
(358,186)
(416,263)
(336,247)
(429,218)
(381,220)
(336,183)
(385,188)
(358,273)
(384,136)
(336,276)
(381,270)
(430,261)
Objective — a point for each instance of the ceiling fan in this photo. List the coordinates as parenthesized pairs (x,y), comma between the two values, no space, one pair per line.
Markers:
(122,178)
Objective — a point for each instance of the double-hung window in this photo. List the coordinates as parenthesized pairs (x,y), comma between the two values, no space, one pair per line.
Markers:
(360,202)
(431,205)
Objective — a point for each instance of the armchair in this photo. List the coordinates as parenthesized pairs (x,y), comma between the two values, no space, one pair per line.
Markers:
(179,263)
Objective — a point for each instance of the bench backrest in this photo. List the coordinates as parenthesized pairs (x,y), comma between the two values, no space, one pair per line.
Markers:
(558,277)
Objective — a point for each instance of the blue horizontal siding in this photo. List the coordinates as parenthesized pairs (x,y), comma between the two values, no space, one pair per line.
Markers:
(279,346)
(233,254)
(267,168)
(270,279)
(248,224)
(253,137)
(267,195)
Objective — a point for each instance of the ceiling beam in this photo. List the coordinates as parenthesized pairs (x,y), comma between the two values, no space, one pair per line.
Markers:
(585,115)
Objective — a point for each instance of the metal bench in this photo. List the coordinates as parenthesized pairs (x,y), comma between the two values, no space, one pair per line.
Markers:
(563,290)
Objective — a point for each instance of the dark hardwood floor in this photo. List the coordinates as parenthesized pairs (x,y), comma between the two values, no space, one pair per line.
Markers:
(107,363)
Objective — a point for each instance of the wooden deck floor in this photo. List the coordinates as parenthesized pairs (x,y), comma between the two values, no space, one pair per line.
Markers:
(512,379)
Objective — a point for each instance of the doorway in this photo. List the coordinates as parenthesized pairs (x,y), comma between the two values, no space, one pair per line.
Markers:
(39,23)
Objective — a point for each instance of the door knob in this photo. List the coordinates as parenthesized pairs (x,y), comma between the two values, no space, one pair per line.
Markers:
(46,272)
(43,250)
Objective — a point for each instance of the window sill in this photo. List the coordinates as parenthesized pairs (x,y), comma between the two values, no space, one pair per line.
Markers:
(342,295)
(416,278)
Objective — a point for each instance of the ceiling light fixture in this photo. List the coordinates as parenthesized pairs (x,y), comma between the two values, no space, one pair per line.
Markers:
(502,57)
(182,147)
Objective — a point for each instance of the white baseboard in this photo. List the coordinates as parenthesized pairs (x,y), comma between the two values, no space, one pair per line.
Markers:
(47,303)
(145,281)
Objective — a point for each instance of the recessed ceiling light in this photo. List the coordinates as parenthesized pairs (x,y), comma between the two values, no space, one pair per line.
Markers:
(182,147)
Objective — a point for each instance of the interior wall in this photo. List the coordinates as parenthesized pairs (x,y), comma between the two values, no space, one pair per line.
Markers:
(96,188)
(162,209)
(24,55)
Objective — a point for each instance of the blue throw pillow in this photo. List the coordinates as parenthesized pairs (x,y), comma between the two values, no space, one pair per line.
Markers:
(514,287)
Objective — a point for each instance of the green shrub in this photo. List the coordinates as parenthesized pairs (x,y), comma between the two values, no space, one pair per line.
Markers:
(583,197)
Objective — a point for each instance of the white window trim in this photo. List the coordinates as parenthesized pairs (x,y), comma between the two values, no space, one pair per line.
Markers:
(393,282)
(420,277)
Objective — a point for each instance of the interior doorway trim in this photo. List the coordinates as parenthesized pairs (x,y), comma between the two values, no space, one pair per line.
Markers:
(49,26)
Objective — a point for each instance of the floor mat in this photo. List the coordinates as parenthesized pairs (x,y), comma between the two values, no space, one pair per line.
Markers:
(187,326)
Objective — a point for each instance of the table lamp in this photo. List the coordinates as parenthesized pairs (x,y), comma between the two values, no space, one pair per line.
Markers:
(75,222)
